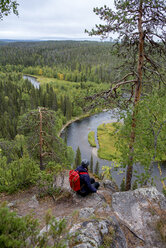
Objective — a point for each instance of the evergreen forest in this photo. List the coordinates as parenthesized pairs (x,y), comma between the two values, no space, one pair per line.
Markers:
(72,75)
(68,72)
(79,79)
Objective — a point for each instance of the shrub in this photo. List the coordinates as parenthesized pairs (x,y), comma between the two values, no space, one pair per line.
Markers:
(14,231)
(108,238)
(47,180)
(18,174)
(122,185)
(161,227)
(135,185)
(164,191)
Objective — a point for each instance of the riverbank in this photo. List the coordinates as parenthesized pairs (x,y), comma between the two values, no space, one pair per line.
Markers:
(75,119)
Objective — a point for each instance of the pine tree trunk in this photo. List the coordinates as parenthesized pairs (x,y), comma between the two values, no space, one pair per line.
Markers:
(136,98)
(41,141)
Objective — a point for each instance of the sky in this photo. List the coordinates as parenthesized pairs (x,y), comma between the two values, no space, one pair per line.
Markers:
(52,19)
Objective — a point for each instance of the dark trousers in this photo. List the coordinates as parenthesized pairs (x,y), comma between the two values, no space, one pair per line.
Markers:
(93,183)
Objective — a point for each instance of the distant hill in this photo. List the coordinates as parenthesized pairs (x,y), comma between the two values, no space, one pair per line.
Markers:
(4,41)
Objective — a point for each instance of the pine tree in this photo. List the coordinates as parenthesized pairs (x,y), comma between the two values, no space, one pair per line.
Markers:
(91,164)
(68,107)
(97,169)
(54,102)
(62,105)
(8,6)
(139,24)
(77,158)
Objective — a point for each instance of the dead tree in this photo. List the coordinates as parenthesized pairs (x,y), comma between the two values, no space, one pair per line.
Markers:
(39,128)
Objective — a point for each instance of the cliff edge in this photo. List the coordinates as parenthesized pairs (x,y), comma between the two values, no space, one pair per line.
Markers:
(103,219)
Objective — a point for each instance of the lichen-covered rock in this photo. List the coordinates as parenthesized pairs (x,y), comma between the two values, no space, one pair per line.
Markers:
(92,234)
(33,203)
(12,204)
(93,200)
(86,212)
(140,210)
(110,185)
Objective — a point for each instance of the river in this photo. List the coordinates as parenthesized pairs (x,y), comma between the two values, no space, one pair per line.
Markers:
(33,80)
(77,135)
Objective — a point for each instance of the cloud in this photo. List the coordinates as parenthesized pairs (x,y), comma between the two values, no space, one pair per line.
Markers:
(51,18)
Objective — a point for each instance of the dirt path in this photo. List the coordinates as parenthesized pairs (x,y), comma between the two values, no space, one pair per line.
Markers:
(27,202)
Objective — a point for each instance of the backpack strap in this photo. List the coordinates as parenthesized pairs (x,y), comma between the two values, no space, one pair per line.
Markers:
(82,173)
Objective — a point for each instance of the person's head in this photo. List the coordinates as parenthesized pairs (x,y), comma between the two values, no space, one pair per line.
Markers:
(85,163)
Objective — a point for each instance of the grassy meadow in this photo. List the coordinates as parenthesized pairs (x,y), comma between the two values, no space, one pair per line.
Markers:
(91,139)
(107,137)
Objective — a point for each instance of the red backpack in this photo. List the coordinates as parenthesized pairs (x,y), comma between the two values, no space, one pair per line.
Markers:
(74,179)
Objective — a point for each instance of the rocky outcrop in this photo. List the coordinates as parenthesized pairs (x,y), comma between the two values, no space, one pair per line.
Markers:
(140,210)
(108,218)
(136,211)
(94,233)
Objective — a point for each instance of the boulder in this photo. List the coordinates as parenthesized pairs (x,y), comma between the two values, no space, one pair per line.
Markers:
(94,233)
(140,210)
(93,200)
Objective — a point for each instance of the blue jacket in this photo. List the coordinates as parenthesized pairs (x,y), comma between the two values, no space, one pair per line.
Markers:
(85,183)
